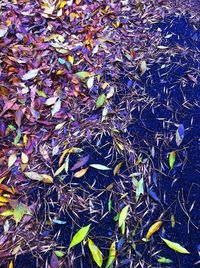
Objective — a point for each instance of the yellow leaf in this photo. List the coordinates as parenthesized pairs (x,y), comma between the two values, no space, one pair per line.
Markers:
(96,253)
(11,265)
(11,160)
(80,173)
(175,246)
(71,59)
(59,170)
(7,213)
(154,228)
(24,158)
(3,199)
(47,178)
(117,168)
(62,4)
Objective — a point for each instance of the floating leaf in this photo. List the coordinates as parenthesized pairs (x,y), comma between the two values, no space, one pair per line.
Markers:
(56,107)
(79,236)
(117,168)
(100,167)
(100,101)
(123,215)
(59,253)
(20,211)
(24,158)
(96,253)
(172,157)
(175,246)
(164,260)
(82,75)
(30,74)
(11,160)
(34,176)
(90,82)
(80,173)
(154,228)
(112,255)
(180,134)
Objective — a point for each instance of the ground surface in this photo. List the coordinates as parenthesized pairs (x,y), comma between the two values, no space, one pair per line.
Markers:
(139,129)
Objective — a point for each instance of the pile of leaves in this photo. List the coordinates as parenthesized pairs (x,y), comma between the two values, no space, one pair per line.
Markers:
(62,65)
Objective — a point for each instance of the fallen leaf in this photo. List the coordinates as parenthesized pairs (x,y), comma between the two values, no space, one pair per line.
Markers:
(112,255)
(79,236)
(96,253)
(100,167)
(143,67)
(11,160)
(164,260)
(90,82)
(172,157)
(117,168)
(180,134)
(154,228)
(59,253)
(19,212)
(100,101)
(82,75)
(47,178)
(3,32)
(80,173)
(81,162)
(175,246)
(123,215)
(34,176)
(24,158)
(56,107)
(30,74)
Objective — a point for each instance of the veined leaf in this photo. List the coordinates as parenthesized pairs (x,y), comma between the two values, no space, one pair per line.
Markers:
(172,158)
(79,236)
(154,228)
(30,74)
(175,246)
(100,100)
(112,255)
(100,167)
(179,134)
(80,173)
(123,215)
(96,253)
(164,260)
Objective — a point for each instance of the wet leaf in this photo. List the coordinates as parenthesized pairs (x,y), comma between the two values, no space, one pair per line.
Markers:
(34,176)
(175,246)
(11,160)
(79,236)
(164,260)
(100,167)
(180,134)
(172,158)
(154,228)
(80,173)
(59,253)
(123,215)
(100,101)
(112,255)
(96,253)
(20,211)
(30,74)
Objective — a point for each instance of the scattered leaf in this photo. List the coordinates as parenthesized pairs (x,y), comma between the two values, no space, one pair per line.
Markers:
(47,178)
(79,236)
(56,107)
(117,168)
(34,176)
(30,74)
(59,253)
(80,173)
(90,82)
(164,260)
(81,162)
(82,75)
(139,188)
(112,255)
(143,67)
(24,158)
(100,101)
(100,167)
(96,253)
(11,160)
(59,170)
(20,211)
(123,215)
(175,246)
(172,157)
(180,134)
(154,228)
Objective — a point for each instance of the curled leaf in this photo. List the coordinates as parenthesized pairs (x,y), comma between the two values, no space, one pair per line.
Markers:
(154,228)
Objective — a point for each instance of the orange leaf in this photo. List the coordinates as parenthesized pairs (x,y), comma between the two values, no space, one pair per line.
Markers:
(80,173)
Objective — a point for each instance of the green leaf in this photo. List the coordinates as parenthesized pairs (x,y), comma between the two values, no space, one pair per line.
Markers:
(41,93)
(59,253)
(172,157)
(179,134)
(100,101)
(175,246)
(96,253)
(30,74)
(112,254)
(139,188)
(18,137)
(79,236)
(123,215)
(164,260)
(20,211)
(100,167)
(109,204)
(82,75)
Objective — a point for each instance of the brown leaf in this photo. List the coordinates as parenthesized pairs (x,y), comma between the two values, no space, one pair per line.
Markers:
(80,173)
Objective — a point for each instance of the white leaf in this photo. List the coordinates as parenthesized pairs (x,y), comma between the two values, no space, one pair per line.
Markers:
(11,160)
(100,167)
(3,32)
(143,67)
(90,82)
(56,107)
(30,74)
(51,100)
